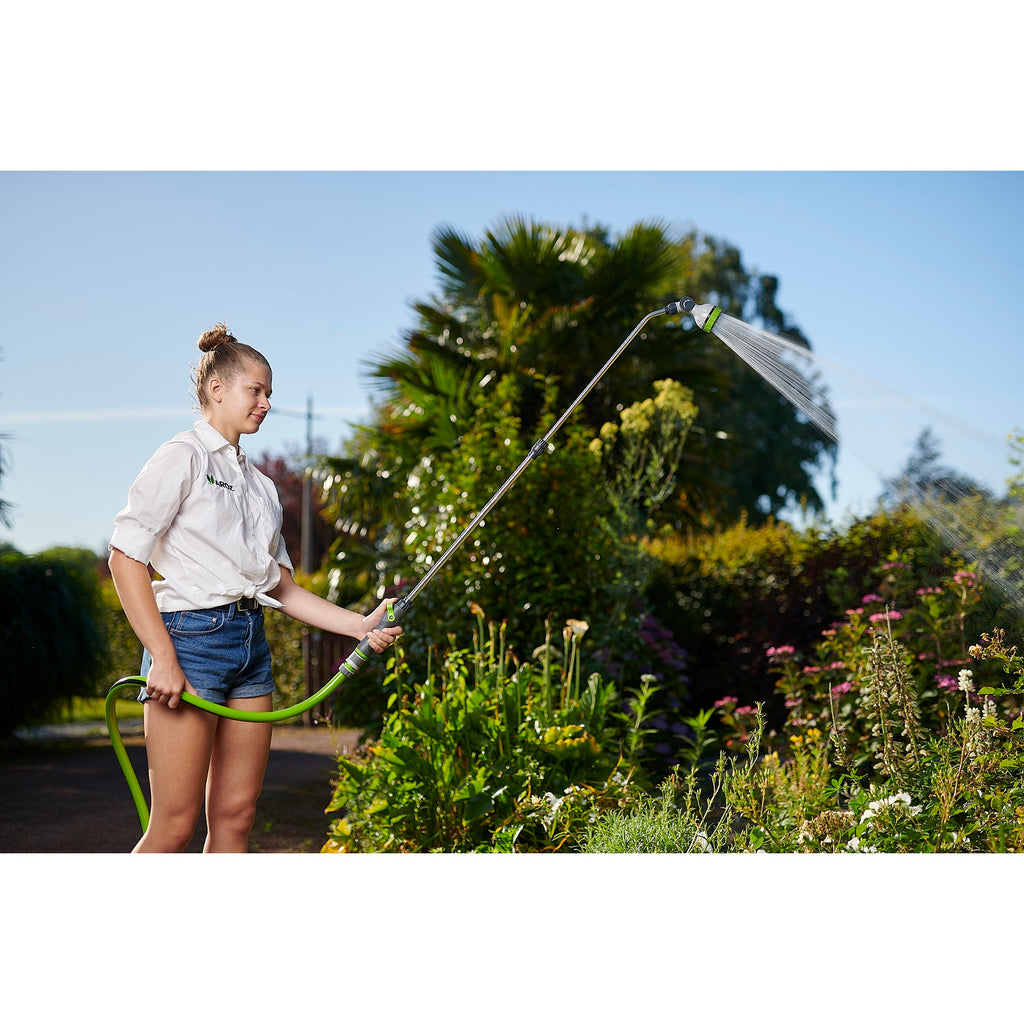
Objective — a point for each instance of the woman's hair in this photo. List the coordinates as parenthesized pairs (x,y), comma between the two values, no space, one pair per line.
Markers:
(223,356)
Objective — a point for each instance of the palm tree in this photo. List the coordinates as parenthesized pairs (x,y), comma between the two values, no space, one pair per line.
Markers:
(541,303)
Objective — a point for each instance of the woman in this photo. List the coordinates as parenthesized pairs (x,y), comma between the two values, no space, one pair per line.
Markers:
(209,523)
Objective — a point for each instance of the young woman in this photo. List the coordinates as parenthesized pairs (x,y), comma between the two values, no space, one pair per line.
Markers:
(209,523)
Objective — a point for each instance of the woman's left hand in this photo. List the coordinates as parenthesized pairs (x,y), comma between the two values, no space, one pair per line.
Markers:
(380,638)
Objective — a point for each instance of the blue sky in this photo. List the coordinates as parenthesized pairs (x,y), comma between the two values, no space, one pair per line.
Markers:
(910,279)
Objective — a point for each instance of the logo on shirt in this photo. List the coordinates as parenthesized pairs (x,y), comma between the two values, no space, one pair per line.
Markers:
(219,483)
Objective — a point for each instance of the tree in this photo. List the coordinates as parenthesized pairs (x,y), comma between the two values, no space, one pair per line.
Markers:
(923,478)
(545,303)
(288,473)
(5,508)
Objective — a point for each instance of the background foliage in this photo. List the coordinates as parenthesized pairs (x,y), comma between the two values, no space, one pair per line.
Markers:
(51,644)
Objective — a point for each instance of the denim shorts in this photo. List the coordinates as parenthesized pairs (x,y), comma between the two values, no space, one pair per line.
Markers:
(222,651)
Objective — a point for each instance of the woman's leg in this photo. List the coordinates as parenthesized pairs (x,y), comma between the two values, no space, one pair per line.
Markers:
(237,767)
(178,745)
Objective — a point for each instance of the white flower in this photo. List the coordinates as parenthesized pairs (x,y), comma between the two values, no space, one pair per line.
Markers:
(888,801)
(854,844)
(966,680)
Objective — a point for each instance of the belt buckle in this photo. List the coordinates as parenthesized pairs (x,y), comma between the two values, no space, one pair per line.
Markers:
(247,604)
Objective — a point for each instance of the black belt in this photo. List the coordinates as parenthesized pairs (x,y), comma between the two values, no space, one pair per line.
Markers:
(243,604)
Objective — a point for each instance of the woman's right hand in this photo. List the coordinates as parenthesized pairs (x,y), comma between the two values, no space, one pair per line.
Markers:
(165,683)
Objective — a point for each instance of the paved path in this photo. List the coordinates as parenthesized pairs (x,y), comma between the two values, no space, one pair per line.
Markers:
(63,792)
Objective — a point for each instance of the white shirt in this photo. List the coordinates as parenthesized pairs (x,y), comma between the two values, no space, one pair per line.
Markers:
(208,522)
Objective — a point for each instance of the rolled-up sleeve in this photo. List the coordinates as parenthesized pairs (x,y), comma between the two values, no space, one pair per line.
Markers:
(154,499)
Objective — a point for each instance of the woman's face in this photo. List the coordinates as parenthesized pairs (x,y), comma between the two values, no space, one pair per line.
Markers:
(239,406)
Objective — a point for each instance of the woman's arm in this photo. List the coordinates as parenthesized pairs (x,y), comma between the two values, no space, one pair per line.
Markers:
(135,591)
(305,606)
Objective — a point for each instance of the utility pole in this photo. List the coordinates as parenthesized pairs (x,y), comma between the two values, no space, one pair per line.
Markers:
(311,646)
(307,555)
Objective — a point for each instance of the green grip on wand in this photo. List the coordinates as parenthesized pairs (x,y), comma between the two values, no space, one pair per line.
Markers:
(393,611)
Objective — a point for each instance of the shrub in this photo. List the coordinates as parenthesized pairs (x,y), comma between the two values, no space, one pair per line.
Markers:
(732,595)
(51,645)
(491,753)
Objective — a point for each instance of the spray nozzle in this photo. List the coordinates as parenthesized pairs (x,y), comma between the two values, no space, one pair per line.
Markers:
(704,316)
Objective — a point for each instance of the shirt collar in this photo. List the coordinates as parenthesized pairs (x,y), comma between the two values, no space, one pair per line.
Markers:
(213,439)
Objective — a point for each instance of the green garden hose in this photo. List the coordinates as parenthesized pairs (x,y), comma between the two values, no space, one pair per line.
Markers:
(110,714)
(349,667)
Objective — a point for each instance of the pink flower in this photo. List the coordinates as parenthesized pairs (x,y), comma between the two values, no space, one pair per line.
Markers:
(837,665)
(723,701)
(946,683)
(964,576)
(894,565)
(871,599)
(781,653)
(746,710)
(921,591)
(885,616)
(810,670)
(842,688)
(854,611)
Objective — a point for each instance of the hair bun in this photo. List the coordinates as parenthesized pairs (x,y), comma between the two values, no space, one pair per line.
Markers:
(216,335)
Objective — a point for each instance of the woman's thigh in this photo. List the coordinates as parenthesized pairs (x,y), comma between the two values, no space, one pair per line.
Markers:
(178,746)
(239,758)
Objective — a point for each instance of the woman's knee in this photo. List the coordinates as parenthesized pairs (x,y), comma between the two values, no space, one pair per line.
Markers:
(169,833)
(232,815)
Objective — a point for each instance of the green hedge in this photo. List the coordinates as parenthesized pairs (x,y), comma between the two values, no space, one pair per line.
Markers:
(52,646)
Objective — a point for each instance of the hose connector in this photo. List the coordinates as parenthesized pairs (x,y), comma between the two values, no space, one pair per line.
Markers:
(682,306)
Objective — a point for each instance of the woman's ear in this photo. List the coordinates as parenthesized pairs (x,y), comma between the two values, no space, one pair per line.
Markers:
(215,388)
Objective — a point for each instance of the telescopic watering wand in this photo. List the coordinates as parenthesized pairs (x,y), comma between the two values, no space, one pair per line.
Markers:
(704,316)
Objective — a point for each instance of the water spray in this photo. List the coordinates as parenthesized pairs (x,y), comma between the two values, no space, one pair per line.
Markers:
(975,529)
